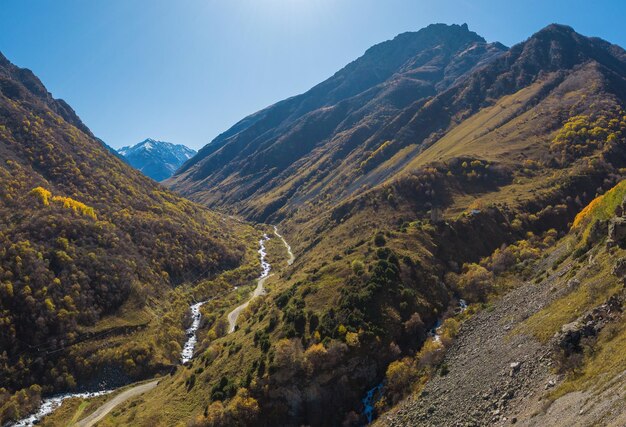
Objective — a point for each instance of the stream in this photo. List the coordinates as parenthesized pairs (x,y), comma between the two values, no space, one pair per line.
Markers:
(435,331)
(259,290)
(50,404)
(187,354)
(374,394)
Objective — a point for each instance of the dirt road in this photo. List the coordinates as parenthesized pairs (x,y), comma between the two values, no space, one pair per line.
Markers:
(108,406)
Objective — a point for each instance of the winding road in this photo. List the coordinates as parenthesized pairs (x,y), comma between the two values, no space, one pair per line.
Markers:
(265,273)
(258,291)
(108,406)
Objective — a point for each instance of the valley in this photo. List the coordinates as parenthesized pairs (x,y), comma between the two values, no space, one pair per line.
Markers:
(51,404)
(449,249)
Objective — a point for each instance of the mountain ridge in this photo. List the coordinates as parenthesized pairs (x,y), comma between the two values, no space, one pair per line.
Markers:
(408,198)
(438,55)
(156,159)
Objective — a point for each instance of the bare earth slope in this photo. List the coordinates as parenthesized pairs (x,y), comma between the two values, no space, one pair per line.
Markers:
(481,387)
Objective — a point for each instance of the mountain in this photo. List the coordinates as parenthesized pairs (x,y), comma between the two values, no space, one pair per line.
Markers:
(434,171)
(93,254)
(156,159)
(281,152)
(274,161)
(455,211)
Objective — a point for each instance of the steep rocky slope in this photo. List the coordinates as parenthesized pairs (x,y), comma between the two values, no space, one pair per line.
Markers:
(549,352)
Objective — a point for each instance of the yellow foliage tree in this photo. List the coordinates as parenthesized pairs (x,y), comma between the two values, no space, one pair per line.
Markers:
(43,195)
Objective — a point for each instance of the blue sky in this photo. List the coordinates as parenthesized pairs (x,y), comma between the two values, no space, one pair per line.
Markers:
(186,70)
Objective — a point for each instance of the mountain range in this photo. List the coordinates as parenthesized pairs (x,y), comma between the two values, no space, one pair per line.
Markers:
(399,180)
(156,159)
(455,211)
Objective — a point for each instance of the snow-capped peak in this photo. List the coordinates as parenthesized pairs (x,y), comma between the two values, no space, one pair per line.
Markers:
(157,159)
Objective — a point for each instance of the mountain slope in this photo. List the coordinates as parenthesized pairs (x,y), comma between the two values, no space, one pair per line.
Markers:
(403,191)
(156,159)
(85,237)
(392,214)
(551,351)
(350,152)
(287,147)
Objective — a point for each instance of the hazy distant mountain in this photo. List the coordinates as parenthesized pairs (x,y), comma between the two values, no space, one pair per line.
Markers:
(157,159)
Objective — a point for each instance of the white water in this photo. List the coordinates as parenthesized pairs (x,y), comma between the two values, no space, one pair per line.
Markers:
(435,332)
(258,291)
(192,339)
(292,258)
(50,404)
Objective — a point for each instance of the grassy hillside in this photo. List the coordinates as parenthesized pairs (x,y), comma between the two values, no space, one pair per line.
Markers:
(397,222)
(400,196)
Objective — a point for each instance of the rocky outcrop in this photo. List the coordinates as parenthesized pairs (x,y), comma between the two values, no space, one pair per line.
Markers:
(572,335)
(619,269)
(617,232)
(617,227)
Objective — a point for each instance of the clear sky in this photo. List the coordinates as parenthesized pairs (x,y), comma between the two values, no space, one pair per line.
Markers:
(186,70)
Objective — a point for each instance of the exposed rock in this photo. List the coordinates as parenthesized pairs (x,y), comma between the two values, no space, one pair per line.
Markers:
(620,210)
(589,325)
(619,269)
(573,284)
(617,232)
(515,367)
(597,231)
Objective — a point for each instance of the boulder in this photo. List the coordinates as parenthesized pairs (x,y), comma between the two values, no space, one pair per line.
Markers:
(619,269)
(515,367)
(617,232)
(597,231)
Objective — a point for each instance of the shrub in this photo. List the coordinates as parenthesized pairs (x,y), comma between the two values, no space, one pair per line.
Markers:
(379,239)
(400,375)
(475,282)
(358,267)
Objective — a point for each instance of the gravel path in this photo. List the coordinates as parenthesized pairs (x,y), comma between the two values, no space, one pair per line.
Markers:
(291,258)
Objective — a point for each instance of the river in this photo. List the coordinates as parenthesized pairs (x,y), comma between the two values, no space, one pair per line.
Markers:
(187,353)
(259,290)
(50,404)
